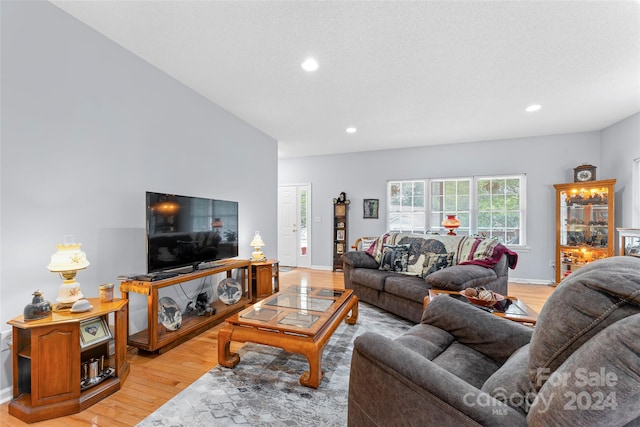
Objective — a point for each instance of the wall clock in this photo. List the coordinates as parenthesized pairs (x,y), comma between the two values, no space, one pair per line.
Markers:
(584,173)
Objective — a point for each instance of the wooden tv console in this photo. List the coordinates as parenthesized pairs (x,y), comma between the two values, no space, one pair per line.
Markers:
(156,338)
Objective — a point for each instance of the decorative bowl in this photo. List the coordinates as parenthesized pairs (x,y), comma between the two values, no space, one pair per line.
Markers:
(482,302)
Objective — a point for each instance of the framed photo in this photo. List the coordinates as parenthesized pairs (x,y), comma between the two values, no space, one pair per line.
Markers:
(371,207)
(340,248)
(340,235)
(94,331)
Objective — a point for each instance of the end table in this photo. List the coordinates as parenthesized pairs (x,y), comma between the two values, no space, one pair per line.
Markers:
(265,278)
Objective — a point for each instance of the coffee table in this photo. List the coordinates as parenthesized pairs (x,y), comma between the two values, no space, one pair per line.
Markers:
(515,310)
(298,319)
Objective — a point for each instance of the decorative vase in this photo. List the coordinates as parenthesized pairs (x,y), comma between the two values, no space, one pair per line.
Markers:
(39,307)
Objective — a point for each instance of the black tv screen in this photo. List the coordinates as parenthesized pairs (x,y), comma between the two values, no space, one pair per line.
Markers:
(187,231)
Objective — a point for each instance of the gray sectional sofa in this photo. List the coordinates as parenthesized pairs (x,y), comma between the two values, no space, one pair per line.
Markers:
(425,262)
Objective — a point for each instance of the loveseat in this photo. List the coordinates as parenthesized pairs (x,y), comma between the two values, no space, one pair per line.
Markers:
(462,366)
(398,269)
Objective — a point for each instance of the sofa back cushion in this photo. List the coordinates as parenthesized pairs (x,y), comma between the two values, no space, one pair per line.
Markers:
(466,250)
(585,303)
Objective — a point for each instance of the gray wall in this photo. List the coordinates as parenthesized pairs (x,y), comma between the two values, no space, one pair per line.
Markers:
(87,128)
(546,160)
(620,148)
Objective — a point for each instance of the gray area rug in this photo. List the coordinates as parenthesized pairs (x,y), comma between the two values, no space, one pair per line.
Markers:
(264,389)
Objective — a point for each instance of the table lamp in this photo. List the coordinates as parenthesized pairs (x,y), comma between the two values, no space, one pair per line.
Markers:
(451,223)
(67,260)
(257,243)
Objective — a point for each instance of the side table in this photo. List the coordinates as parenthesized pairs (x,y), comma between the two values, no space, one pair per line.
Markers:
(517,311)
(265,278)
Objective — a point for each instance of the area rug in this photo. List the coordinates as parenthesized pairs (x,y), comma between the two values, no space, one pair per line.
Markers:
(264,389)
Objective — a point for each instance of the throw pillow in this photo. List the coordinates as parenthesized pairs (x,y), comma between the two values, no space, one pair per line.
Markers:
(395,258)
(366,243)
(435,262)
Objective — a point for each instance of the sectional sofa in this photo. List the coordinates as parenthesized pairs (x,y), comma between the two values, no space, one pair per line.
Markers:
(398,269)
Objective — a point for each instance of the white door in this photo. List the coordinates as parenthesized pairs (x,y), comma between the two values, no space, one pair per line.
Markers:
(293,225)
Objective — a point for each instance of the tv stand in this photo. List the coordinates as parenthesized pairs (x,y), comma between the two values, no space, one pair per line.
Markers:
(156,338)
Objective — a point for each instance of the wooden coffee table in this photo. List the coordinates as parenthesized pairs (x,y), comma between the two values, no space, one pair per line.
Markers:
(517,310)
(298,319)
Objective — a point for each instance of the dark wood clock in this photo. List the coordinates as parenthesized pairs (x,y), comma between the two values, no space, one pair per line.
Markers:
(584,173)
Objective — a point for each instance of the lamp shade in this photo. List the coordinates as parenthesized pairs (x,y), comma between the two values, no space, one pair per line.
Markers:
(451,223)
(257,241)
(68,257)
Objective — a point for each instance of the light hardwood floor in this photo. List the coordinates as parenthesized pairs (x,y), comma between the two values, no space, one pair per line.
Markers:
(154,379)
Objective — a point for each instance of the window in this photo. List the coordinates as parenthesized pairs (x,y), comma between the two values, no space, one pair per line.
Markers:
(489,206)
(406,206)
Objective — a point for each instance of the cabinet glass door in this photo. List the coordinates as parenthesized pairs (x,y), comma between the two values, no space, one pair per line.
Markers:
(584,227)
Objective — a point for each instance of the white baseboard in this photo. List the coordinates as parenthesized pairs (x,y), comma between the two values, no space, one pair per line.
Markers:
(531,281)
(6,394)
(322,267)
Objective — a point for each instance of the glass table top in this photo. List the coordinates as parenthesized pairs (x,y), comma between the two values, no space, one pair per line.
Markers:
(294,306)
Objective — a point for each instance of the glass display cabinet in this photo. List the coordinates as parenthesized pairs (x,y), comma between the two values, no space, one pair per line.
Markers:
(584,224)
(629,242)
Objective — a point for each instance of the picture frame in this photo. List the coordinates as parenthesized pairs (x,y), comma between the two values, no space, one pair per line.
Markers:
(94,331)
(371,208)
(340,248)
(339,234)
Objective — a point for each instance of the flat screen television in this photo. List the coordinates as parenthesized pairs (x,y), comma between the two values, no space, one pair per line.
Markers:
(185,231)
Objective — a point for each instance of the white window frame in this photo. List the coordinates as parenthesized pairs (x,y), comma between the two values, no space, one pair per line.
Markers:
(472,226)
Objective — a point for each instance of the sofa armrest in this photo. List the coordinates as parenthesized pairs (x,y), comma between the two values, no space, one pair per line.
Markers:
(389,382)
(493,336)
(459,277)
(359,259)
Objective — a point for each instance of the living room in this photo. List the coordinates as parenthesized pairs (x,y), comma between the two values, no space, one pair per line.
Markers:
(88,127)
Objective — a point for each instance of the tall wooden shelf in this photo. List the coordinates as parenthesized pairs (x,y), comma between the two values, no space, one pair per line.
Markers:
(155,337)
(340,231)
(584,224)
(48,356)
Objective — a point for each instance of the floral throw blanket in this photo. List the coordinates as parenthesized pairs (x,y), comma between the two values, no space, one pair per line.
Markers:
(421,254)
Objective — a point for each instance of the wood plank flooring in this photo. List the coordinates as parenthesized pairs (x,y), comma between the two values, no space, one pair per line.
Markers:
(154,379)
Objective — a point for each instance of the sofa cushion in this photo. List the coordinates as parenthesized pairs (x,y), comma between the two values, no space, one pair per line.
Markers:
(599,385)
(586,302)
(371,278)
(461,319)
(395,258)
(426,340)
(460,277)
(408,287)
(511,384)
(466,363)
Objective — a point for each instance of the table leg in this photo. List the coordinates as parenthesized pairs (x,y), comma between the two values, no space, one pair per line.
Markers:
(313,377)
(352,317)
(225,357)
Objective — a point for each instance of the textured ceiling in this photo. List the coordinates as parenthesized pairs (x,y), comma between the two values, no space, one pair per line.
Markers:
(404,73)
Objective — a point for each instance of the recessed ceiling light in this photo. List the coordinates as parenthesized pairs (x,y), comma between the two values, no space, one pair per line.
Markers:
(310,64)
(532,108)
(351,130)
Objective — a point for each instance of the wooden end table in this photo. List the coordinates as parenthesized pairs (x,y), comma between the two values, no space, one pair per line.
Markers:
(298,319)
(517,311)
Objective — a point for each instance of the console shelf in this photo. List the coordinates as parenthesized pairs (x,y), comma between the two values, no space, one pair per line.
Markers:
(47,359)
(155,337)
